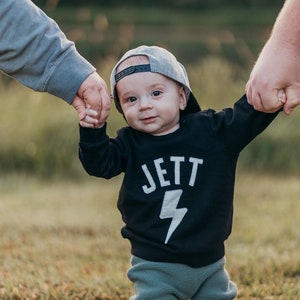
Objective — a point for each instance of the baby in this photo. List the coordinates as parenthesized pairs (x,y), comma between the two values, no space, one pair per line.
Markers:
(179,166)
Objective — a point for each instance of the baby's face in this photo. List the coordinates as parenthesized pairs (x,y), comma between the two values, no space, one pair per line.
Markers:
(151,102)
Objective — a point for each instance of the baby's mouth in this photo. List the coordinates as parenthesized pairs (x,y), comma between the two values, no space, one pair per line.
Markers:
(148,120)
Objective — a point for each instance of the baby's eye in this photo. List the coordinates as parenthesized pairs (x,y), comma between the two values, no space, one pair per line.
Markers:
(131,99)
(155,93)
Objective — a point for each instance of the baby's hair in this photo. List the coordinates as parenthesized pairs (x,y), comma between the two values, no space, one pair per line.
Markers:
(132,61)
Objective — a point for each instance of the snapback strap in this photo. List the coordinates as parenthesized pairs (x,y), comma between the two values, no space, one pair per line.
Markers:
(131,70)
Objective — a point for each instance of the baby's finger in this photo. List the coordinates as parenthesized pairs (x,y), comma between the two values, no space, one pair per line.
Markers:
(91,112)
(86,124)
(281,96)
(90,119)
(292,99)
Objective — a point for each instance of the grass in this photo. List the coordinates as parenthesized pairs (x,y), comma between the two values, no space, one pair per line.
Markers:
(263,250)
(60,239)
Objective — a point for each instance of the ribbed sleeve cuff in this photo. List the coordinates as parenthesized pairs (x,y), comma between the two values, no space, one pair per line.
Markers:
(90,135)
(68,75)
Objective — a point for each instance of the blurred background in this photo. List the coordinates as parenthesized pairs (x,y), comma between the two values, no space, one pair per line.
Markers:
(60,228)
(217,40)
(193,29)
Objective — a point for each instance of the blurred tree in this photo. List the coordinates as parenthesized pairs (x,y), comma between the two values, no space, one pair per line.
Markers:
(172,3)
(52,3)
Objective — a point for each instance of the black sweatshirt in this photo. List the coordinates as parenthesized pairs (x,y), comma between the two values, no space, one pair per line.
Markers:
(176,198)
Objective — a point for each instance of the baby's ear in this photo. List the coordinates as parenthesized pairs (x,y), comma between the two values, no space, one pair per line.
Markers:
(182,99)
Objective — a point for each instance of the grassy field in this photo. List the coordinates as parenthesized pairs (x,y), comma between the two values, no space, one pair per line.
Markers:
(60,229)
(60,240)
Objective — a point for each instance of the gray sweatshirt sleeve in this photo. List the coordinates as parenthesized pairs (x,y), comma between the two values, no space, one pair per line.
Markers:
(35,52)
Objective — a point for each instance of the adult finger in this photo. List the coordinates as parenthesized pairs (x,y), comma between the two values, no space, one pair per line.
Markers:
(79,104)
(106,105)
(248,91)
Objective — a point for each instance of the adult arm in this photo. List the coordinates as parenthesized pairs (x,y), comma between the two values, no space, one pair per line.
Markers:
(34,51)
(278,65)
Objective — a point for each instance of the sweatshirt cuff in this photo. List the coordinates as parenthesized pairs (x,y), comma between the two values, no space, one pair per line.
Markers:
(68,75)
(92,134)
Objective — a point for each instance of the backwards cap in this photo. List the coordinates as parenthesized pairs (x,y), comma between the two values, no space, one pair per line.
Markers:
(160,61)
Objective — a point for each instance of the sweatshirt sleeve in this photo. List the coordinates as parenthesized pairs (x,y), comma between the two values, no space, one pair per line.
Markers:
(35,52)
(243,123)
(100,155)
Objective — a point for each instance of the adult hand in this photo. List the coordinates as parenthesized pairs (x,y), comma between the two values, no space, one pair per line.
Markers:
(278,65)
(94,92)
(277,68)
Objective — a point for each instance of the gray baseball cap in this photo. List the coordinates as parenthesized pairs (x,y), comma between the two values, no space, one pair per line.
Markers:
(160,61)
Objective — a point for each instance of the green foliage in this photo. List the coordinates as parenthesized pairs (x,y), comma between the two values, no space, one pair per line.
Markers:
(39,133)
(188,4)
(234,33)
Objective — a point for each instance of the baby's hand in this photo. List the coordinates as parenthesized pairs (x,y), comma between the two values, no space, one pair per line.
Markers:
(91,118)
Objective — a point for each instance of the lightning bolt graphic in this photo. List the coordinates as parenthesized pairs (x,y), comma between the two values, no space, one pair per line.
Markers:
(169,210)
